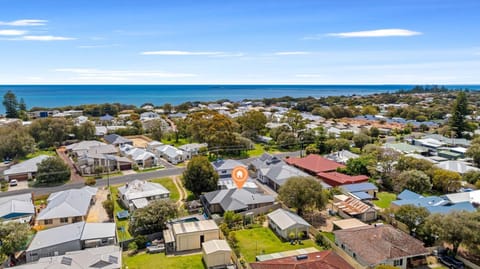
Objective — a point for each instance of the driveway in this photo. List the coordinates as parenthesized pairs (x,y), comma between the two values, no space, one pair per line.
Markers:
(20,186)
(74,176)
(97,213)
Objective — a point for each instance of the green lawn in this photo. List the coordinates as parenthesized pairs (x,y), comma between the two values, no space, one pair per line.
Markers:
(38,153)
(181,142)
(168,183)
(257,151)
(384,199)
(150,169)
(258,241)
(117,208)
(329,235)
(144,260)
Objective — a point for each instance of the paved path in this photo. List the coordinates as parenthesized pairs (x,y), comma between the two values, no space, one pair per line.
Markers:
(123,179)
(74,176)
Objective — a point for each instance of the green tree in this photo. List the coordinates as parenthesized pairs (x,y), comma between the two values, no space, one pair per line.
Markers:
(295,120)
(109,207)
(213,128)
(360,165)
(15,142)
(86,131)
(414,180)
(22,106)
(406,163)
(471,176)
(11,104)
(52,170)
(287,140)
(232,219)
(361,140)
(13,238)
(446,181)
(167,108)
(200,176)
(303,193)
(50,132)
(474,151)
(153,217)
(412,216)
(333,144)
(156,129)
(459,111)
(252,123)
(311,149)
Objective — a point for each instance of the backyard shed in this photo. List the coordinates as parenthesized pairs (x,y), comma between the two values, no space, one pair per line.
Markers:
(216,253)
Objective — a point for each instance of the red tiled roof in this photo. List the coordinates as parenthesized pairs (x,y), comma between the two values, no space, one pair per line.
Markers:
(317,260)
(314,163)
(336,179)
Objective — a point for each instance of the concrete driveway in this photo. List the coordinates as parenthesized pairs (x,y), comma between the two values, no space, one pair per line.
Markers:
(97,213)
(20,186)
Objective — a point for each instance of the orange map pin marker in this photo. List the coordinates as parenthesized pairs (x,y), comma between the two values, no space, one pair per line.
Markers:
(239,176)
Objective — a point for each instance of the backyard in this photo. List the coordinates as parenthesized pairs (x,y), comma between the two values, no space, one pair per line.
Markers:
(145,260)
(258,241)
(168,183)
(385,199)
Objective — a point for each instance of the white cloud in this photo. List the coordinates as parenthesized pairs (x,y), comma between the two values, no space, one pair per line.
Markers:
(286,53)
(46,38)
(376,33)
(182,53)
(12,32)
(27,22)
(86,73)
(98,46)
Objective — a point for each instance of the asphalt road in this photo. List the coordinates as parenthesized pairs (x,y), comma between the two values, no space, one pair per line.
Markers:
(123,179)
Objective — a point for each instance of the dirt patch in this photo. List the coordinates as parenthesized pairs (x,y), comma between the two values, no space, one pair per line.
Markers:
(97,213)
(139,141)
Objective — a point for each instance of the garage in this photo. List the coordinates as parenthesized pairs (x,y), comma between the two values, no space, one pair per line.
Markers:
(216,253)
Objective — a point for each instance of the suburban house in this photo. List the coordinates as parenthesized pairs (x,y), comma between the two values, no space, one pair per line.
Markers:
(140,156)
(349,207)
(336,179)
(341,156)
(285,223)
(381,244)
(227,183)
(81,147)
(224,168)
(153,145)
(17,208)
(436,204)
(102,149)
(149,116)
(190,150)
(405,148)
(170,153)
(217,254)
(361,191)
(311,260)
(350,223)
(451,142)
(468,196)
(276,175)
(117,140)
(456,166)
(71,237)
(106,257)
(314,164)
(138,193)
(185,236)
(236,200)
(87,163)
(69,206)
(431,144)
(265,161)
(24,170)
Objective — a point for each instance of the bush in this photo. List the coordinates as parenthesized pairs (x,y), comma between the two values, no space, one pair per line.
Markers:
(132,248)
(321,241)
(4,185)
(90,181)
(141,241)
(108,205)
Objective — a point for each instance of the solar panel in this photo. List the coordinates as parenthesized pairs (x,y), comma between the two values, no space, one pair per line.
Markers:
(66,261)
(112,259)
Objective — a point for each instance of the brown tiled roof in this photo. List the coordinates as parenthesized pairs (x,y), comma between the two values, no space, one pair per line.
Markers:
(376,244)
(335,178)
(317,260)
(314,164)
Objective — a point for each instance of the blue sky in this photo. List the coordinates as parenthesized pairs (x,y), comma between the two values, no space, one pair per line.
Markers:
(244,42)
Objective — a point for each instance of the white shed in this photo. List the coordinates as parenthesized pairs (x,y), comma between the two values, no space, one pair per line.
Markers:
(217,253)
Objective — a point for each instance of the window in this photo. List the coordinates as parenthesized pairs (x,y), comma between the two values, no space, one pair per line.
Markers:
(77,219)
(398,262)
(63,220)
(48,221)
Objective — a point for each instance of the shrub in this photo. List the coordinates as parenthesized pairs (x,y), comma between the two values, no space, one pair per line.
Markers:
(108,205)
(90,181)
(141,241)
(321,241)
(132,248)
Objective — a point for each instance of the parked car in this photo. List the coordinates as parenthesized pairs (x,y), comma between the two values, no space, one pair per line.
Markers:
(451,262)
(13,182)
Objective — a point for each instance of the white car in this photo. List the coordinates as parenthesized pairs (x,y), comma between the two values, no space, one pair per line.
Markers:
(13,182)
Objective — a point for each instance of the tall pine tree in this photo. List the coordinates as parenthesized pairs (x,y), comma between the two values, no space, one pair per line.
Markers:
(11,104)
(460,110)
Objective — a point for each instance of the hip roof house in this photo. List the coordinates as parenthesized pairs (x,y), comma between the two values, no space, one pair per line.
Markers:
(24,170)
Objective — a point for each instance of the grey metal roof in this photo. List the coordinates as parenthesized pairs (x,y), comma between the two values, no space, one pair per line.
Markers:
(286,219)
(265,160)
(366,186)
(117,139)
(102,149)
(213,246)
(28,166)
(237,199)
(58,235)
(84,145)
(456,166)
(192,147)
(226,164)
(281,172)
(98,230)
(69,203)
(16,207)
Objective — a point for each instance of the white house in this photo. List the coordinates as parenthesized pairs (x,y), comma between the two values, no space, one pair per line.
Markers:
(138,194)
(284,223)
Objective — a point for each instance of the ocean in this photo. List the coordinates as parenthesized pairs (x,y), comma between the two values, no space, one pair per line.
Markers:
(61,95)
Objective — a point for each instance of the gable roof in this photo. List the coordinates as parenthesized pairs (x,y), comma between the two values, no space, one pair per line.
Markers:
(213,246)
(68,203)
(456,166)
(192,147)
(357,187)
(169,151)
(265,160)
(377,244)
(351,205)
(117,139)
(226,164)
(434,204)
(16,205)
(336,178)
(286,219)
(281,172)
(237,199)
(314,163)
(84,145)
(98,230)
(326,259)
(408,195)
(58,235)
(28,166)
(194,226)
